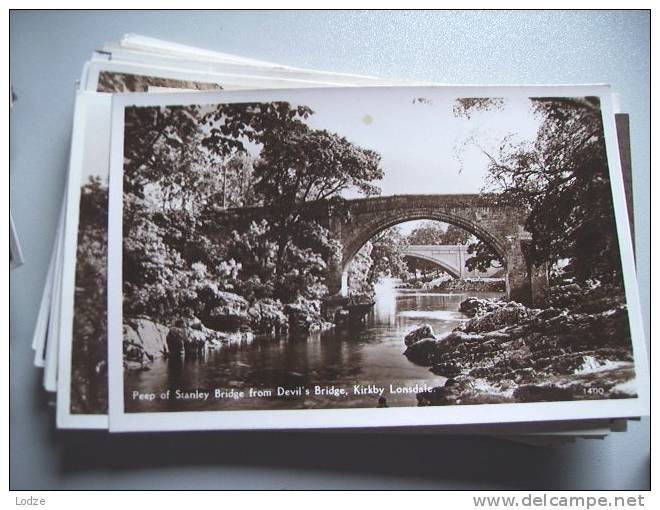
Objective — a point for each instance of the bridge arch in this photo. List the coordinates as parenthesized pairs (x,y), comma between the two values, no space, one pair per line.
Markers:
(499,225)
(355,221)
(369,230)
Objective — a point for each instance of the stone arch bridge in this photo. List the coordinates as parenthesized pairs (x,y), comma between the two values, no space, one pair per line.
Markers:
(500,226)
(358,220)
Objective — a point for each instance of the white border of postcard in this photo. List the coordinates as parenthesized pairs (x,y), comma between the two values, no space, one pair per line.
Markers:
(88,105)
(348,418)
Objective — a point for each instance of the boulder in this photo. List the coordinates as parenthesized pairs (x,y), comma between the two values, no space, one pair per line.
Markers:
(449,394)
(509,315)
(422,351)
(448,370)
(425,331)
(474,307)
(144,340)
(189,336)
(548,313)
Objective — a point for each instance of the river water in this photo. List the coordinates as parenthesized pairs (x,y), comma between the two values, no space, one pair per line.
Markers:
(318,371)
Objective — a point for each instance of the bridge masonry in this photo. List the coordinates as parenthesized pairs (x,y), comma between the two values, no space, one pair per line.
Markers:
(501,226)
(356,221)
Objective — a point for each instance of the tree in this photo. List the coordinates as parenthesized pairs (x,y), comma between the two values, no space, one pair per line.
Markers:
(184,164)
(456,235)
(381,257)
(482,257)
(388,255)
(427,234)
(562,178)
(431,233)
(305,165)
(359,272)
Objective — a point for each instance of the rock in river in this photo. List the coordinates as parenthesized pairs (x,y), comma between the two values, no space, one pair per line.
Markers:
(511,314)
(423,351)
(305,316)
(474,307)
(425,331)
(144,340)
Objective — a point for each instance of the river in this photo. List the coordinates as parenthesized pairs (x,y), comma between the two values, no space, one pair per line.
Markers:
(330,363)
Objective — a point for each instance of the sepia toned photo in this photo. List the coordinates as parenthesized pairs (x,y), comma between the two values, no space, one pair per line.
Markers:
(83,388)
(370,250)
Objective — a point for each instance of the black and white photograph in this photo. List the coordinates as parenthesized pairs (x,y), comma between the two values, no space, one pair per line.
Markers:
(82,339)
(330,249)
(83,386)
(369,249)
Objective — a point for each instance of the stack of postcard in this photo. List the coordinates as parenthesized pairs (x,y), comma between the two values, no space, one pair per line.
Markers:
(245,245)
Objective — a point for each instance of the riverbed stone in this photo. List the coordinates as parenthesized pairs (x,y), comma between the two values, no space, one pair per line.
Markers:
(511,314)
(446,369)
(474,307)
(144,339)
(519,354)
(424,331)
(422,352)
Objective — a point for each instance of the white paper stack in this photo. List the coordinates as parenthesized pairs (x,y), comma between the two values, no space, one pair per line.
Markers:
(206,271)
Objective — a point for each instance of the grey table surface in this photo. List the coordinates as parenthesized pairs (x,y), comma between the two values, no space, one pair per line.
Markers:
(46,55)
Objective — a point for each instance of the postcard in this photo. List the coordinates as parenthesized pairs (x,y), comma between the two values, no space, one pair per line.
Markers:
(370,257)
(82,383)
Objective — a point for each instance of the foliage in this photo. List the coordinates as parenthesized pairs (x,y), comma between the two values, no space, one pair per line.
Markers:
(562,178)
(388,255)
(456,235)
(482,257)
(436,233)
(185,164)
(427,234)
(381,257)
(359,272)
(466,106)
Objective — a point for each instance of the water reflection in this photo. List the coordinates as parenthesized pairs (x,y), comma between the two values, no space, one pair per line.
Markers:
(370,355)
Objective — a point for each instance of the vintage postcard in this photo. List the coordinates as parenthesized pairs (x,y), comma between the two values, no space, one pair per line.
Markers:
(99,71)
(41,324)
(82,365)
(336,258)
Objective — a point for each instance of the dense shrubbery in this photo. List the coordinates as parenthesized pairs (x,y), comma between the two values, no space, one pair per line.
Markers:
(199,161)
(562,178)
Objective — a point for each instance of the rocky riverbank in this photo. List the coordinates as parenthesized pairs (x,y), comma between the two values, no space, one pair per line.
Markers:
(234,320)
(507,352)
